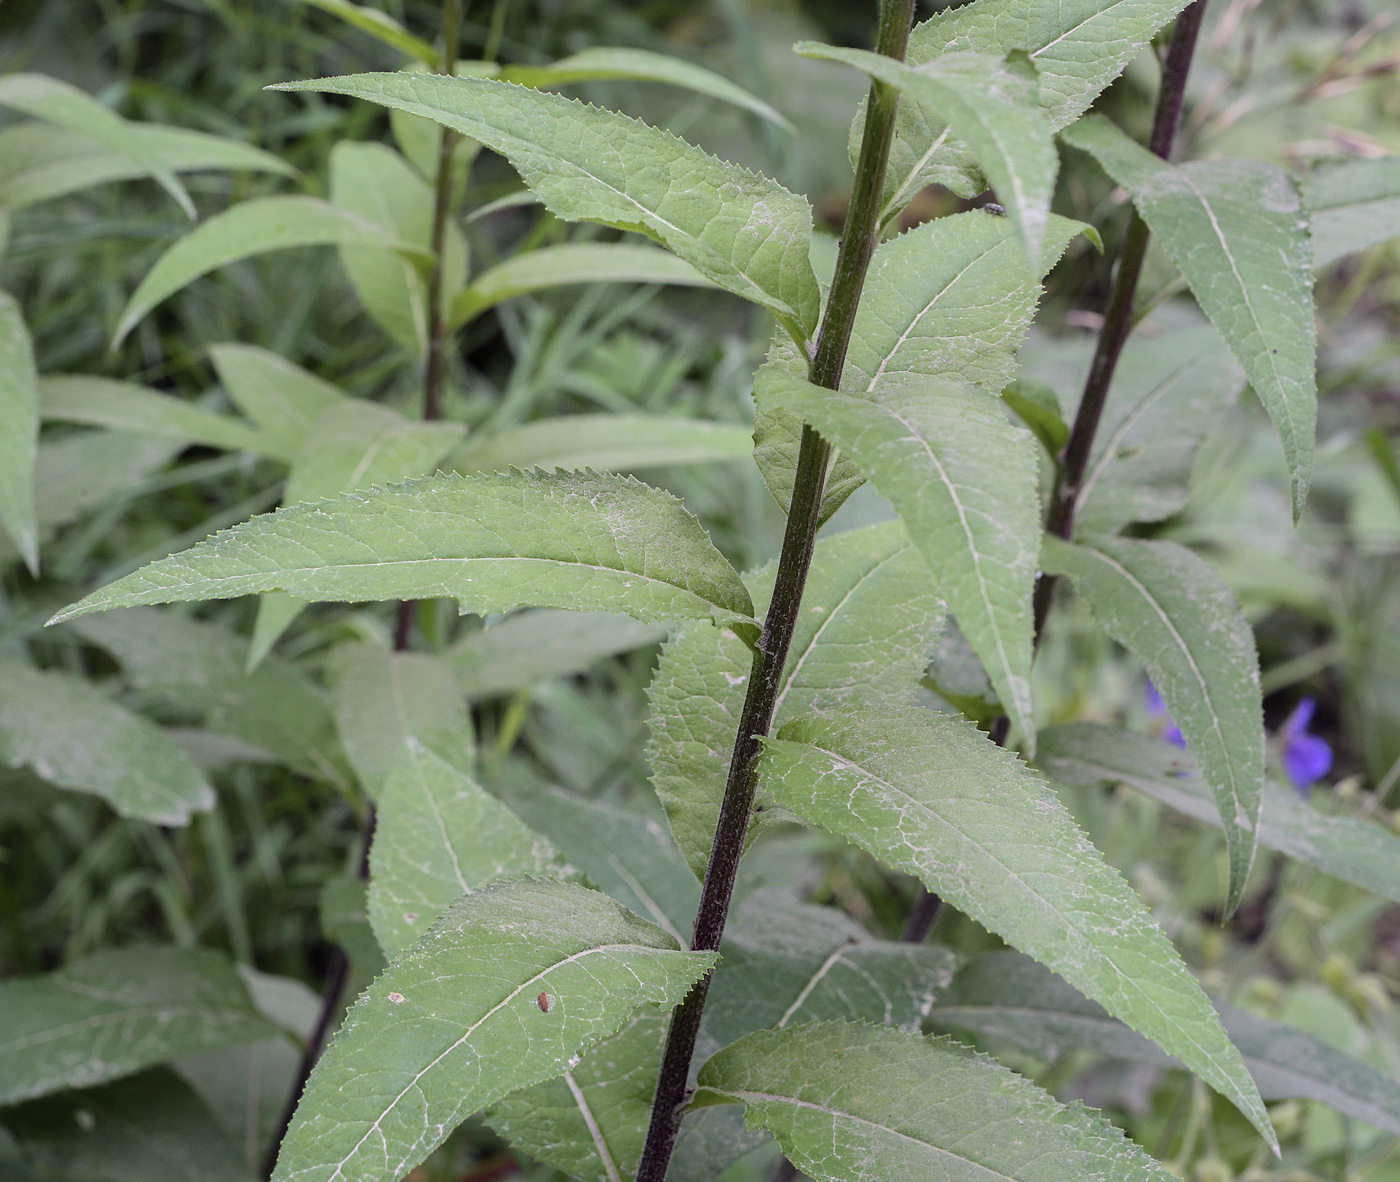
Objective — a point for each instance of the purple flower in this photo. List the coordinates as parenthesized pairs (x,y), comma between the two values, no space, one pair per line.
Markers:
(1306,758)
(1161,721)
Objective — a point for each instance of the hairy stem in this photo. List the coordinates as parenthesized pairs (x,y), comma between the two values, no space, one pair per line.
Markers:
(1118,316)
(858,242)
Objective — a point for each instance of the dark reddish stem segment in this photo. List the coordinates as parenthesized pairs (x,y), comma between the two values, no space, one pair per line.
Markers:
(858,242)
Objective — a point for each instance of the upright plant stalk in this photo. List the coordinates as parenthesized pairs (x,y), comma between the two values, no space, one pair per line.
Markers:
(858,242)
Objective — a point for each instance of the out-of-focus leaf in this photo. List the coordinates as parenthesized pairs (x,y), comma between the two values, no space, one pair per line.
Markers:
(1354,204)
(19,430)
(381,26)
(283,399)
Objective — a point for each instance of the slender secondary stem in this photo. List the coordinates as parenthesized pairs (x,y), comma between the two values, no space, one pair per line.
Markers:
(858,243)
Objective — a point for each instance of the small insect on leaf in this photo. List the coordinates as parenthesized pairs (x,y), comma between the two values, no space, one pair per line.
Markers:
(543,1002)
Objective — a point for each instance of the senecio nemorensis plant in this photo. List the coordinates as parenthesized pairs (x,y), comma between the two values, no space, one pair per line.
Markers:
(612,1045)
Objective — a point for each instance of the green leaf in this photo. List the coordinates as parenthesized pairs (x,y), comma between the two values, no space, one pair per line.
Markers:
(1237,230)
(1354,204)
(641,65)
(455,1023)
(777,438)
(374,182)
(991,106)
(148,1126)
(1008,997)
(746,233)
(68,107)
(439,835)
(1174,613)
(383,699)
(1039,409)
(930,794)
(530,646)
(579,541)
(604,443)
(345,922)
(283,399)
(870,615)
(125,406)
(852,1101)
(964,482)
(1076,46)
(381,26)
(572,262)
(116,1012)
(19,430)
(76,737)
(249,228)
(1348,848)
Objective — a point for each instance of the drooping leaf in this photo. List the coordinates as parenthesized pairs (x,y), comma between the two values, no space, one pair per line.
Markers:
(1348,848)
(853,1101)
(383,699)
(1237,230)
(1353,204)
(579,541)
(19,430)
(251,227)
(746,233)
(439,835)
(777,439)
(570,263)
(1008,997)
(76,737)
(992,108)
(381,26)
(640,65)
(870,614)
(115,1012)
(604,443)
(964,482)
(457,1022)
(930,794)
(283,399)
(1174,613)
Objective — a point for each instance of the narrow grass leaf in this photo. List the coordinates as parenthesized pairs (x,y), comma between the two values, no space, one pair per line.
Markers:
(19,431)
(1353,204)
(382,27)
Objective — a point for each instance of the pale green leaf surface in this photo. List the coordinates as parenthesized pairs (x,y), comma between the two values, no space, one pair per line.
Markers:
(964,482)
(492,542)
(869,618)
(1237,230)
(1348,848)
(1353,204)
(604,443)
(858,1103)
(19,430)
(381,26)
(746,233)
(1171,610)
(116,1012)
(439,835)
(76,737)
(251,227)
(569,263)
(930,794)
(454,1024)
(283,399)
(1008,997)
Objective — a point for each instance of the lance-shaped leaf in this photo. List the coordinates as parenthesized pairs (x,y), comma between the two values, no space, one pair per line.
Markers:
(853,1101)
(964,482)
(573,262)
(283,399)
(1348,848)
(19,431)
(116,1012)
(1008,997)
(249,228)
(992,109)
(491,542)
(1353,204)
(1176,615)
(1237,230)
(74,736)
(604,443)
(1076,46)
(68,107)
(381,26)
(641,65)
(439,835)
(869,618)
(746,233)
(506,990)
(930,794)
